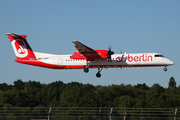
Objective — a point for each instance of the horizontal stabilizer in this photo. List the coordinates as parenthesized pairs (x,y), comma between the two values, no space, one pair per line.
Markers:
(16,36)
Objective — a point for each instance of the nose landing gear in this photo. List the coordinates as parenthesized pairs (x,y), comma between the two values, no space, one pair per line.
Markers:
(165,69)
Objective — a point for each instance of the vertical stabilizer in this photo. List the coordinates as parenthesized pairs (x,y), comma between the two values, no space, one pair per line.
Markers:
(21,48)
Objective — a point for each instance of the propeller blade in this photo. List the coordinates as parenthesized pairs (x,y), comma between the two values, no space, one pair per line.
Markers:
(109,54)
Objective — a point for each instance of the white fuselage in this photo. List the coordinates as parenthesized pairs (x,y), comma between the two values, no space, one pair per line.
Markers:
(118,60)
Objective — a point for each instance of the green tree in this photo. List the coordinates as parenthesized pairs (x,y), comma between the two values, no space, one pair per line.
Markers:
(153,94)
(53,93)
(71,95)
(5,87)
(124,101)
(30,91)
(172,83)
(142,86)
(87,96)
(19,84)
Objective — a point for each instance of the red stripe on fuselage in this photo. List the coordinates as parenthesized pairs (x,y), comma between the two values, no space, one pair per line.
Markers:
(42,64)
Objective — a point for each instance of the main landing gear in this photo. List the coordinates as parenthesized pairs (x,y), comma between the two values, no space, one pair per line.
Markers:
(86,69)
(98,74)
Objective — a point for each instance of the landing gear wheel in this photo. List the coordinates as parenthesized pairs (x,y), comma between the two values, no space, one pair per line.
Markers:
(86,70)
(98,75)
(165,69)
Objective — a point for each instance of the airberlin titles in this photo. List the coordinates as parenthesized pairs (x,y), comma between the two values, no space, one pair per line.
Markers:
(130,58)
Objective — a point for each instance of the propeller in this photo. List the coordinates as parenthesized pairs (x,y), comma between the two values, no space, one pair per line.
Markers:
(109,54)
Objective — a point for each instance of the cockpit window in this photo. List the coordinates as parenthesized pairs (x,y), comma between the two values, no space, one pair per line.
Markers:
(158,56)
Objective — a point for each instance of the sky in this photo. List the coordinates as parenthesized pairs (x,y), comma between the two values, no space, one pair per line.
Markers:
(131,26)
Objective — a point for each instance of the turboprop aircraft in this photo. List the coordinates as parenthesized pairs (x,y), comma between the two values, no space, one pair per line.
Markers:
(84,58)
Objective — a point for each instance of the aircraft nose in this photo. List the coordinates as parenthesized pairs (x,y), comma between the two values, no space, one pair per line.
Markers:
(169,62)
(172,63)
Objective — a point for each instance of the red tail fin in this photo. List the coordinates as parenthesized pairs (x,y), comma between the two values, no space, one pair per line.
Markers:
(21,48)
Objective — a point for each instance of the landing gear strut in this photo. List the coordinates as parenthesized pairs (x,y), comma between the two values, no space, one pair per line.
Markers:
(98,73)
(86,69)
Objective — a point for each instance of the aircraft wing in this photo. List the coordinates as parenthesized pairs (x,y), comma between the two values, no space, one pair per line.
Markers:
(82,48)
(85,52)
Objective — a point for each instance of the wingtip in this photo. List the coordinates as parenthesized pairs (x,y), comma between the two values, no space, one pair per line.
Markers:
(74,41)
(8,34)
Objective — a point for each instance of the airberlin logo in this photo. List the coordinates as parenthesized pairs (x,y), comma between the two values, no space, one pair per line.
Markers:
(20,48)
(130,58)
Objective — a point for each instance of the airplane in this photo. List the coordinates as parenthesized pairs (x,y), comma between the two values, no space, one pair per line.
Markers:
(84,58)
